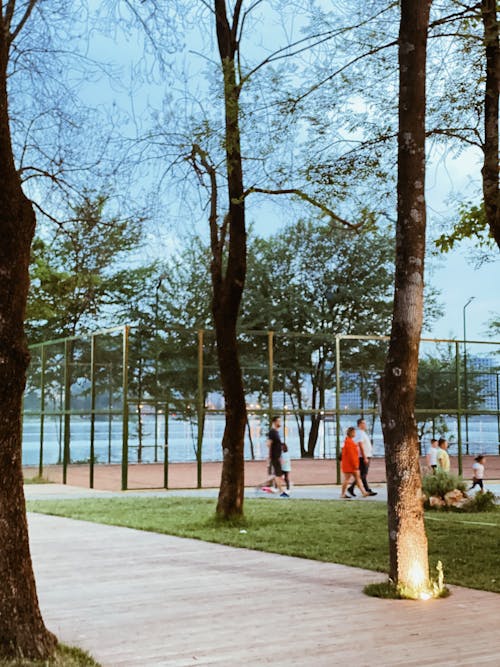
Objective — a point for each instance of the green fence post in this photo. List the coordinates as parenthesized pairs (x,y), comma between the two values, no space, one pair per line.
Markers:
(126,332)
(67,407)
(42,409)
(459,406)
(498,413)
(110,408)
(270,371)
(92,411)
(337,406)
(165,447)
(201,407)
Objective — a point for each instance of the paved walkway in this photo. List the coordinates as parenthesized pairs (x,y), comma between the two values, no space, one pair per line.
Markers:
(316,492)
(133,598)
(305,472)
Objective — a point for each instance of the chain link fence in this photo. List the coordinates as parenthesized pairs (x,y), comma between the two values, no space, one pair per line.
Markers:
(135,395)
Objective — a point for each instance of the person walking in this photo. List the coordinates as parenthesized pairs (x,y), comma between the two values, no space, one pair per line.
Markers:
(365,453)
(432,455)
(478,472)
(350,464)
(443,458)
(286,465)
(275,449)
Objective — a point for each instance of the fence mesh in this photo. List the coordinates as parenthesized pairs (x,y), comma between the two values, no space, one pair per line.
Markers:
(137,395)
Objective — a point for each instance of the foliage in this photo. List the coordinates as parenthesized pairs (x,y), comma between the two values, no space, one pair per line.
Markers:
(65,656)
(468,560)
(78,277)
(480,502)
(314,279)
(320,281)
(437,388)
(472,223)
(441,482)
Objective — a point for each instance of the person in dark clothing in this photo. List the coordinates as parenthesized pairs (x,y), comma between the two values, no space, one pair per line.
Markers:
(275,448)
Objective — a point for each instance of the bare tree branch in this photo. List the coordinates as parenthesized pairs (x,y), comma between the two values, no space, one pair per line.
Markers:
(454,133)
(311,200)
(285,52)
(24,18)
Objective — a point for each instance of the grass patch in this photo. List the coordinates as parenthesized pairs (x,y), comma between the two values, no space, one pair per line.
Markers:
(348,533)
(36,480)
(65,656)
(384,589)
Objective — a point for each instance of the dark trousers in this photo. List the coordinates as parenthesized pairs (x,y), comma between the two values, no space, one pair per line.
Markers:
(363,472)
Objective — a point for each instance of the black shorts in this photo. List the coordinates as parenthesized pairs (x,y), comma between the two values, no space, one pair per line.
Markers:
(276,464)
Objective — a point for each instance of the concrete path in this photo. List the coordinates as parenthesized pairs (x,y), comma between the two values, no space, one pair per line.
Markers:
(133,598)
(326,492)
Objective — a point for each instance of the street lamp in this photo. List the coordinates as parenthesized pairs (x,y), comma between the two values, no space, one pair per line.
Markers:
(466,393)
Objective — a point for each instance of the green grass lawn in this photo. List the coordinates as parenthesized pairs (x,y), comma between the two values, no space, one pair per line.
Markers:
(350,533)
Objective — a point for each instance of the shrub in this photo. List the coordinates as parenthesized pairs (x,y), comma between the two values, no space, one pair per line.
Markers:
(481,502)
(440,483)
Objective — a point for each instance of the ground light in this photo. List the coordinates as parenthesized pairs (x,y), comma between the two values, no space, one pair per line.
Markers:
(418,588)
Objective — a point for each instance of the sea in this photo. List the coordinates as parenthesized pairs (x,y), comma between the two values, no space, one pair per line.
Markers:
(179,440)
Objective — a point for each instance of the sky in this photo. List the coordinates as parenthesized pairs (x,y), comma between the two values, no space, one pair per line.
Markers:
(457,280)
(448,179)
(456,274)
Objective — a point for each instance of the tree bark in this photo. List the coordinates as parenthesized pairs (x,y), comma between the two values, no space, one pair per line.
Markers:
(491,97)
(22,631)
(407,537)
(228,276)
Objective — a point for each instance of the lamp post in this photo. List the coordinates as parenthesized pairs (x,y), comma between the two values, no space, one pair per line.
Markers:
(466,393)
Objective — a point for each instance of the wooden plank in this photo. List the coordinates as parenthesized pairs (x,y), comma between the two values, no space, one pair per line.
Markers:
(137,598)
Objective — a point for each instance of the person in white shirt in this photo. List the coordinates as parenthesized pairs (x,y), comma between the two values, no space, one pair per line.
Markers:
(432,455)
(478,472)
(365,452)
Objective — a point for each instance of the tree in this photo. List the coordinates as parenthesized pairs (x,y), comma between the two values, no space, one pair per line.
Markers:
(228,271)
(78,283)
(292,276)
(22,631)
(437,389)
(407,538)
(471,117)
(490,173)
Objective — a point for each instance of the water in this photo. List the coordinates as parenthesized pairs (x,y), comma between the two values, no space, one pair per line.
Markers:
(182,439)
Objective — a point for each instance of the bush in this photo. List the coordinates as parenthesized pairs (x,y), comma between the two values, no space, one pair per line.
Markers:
(440,483)
(481,502)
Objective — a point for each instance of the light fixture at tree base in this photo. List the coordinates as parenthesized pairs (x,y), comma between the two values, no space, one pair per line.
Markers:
(419,587)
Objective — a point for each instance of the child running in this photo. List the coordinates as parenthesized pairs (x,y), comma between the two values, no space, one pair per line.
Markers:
(478,472)
(286,464)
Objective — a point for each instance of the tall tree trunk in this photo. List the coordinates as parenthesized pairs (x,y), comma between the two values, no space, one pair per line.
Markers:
(491,193)
(407,537)
(228,278)
(312,439)
(22,631)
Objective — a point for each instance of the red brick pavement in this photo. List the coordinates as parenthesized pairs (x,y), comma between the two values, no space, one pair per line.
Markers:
(305,472)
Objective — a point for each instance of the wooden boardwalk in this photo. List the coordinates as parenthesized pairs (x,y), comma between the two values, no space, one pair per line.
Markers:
(138,599)
(184,475)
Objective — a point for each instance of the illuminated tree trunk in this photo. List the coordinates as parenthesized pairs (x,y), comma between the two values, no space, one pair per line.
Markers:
(22,631)
(228,276)
(491,96)
(407,537)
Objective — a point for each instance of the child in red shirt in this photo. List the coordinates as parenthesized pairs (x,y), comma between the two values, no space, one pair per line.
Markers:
(350,464)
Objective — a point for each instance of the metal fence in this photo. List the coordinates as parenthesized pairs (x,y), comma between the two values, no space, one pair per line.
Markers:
(134,395)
